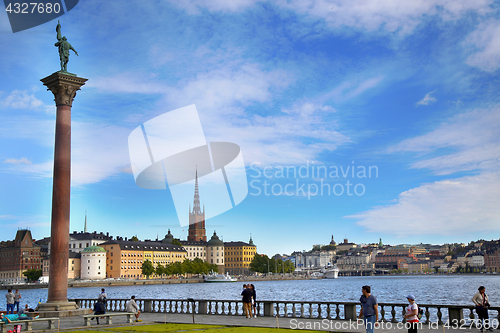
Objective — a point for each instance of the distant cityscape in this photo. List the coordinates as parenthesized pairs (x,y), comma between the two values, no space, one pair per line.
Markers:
(99,256)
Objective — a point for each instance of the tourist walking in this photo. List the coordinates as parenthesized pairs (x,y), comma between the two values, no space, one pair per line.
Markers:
(134,308)
(480,300)
(17,299)
(247,301)
(411,315)
(369,309)
(10,301)
(254,301)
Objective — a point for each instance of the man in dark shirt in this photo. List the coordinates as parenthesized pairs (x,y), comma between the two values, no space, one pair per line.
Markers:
(247,301)
(369,309)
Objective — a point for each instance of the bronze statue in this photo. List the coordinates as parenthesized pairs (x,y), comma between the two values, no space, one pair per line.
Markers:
(64,47)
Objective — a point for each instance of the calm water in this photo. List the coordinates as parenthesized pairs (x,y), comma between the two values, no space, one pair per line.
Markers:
(427,289)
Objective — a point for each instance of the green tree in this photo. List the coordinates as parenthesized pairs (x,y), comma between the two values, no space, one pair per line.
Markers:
(134,238)
(160,270)
(147,268)
(176,242)
(187,266)
(32,275)
(177,268)
(259,263)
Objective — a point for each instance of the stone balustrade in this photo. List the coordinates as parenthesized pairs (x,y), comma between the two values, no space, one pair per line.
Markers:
(388,312)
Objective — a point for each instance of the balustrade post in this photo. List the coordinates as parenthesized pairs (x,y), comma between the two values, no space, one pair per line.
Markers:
(268,309)
(471,317)
(202,307)
(455,315)
(427,315)
(382,313)
(337,311)
(350,312)
(147,305)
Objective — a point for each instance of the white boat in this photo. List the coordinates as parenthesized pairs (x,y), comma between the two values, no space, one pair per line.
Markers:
(219,278)
(331,273)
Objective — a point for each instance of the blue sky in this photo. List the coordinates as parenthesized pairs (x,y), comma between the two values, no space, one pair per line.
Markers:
(408,88)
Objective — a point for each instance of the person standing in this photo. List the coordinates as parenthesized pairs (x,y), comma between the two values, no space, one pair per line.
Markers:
(254,301)
(480,300)
(369,309)
(411,315)
(17,299)
(134,308)
(10,301)
(247,301)
(102,296)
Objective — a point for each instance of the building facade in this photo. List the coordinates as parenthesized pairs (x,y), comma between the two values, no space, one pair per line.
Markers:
(17,256)
(93,263)
(124,258)
(238,257)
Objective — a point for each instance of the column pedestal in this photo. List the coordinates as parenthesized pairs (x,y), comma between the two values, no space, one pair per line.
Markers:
(64,87)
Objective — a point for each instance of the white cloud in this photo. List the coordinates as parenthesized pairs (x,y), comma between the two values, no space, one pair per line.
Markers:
(450,206)
(98,151)
(18,99)
(193,6)
(391,16)
(428,99)
(455,206)
(484,44)
(473,136)
(22,160)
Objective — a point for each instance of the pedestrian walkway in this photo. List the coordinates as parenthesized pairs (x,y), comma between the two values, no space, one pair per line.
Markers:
(73,323)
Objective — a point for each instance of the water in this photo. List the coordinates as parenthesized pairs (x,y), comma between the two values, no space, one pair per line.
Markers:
(429,289)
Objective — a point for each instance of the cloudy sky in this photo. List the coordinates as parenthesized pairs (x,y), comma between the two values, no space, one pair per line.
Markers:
(387,111)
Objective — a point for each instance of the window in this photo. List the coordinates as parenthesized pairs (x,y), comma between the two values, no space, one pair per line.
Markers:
(72,261)
(111,267)
(89,261)
(111,260)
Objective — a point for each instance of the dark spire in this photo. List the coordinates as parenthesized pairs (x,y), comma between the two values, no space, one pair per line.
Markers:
(196,201)
(85,226)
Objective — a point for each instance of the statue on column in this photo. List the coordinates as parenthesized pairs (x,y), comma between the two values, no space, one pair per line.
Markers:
(64,46)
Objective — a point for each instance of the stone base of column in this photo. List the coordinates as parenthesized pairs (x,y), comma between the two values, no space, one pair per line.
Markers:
(61,309)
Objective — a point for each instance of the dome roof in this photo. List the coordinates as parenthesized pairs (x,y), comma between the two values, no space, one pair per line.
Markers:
(168,238)
(94,248)
(215,241)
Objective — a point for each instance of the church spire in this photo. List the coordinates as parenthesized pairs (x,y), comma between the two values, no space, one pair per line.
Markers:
(85,225)
(196,201)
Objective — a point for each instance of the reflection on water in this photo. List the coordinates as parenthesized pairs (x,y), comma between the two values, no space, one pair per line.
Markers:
(453,289)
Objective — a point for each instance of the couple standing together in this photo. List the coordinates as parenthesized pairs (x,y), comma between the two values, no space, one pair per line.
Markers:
(249,299)
(369,311)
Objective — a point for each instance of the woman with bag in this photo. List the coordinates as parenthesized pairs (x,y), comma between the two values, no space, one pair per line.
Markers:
(480,300)
(411,315)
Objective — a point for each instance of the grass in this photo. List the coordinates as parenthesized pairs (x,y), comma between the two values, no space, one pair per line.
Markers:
(178,328)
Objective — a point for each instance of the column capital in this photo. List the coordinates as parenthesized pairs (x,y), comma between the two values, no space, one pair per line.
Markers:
(63,86)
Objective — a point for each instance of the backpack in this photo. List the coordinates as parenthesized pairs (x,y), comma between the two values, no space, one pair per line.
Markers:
(420,312)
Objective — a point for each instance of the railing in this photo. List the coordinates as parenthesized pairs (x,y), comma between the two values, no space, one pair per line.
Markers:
(388,312)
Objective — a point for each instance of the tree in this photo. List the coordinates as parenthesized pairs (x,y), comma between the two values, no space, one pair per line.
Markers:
(32,275)
(147,268)
(160,270)
(176,242)
(134,238)
(259,263)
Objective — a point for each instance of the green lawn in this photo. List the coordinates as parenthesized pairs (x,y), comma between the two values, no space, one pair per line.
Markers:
(174,328)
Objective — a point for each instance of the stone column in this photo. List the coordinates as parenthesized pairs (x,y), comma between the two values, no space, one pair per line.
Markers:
(64,87)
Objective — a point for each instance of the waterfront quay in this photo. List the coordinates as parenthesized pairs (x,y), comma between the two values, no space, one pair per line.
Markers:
(293,323)
(343,315)
(327,325)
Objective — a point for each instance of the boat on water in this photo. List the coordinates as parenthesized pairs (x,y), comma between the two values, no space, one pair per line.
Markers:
(331,273)
(220,278)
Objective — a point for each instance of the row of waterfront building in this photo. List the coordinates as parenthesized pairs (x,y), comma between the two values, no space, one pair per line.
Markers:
(98,255)
(476,256)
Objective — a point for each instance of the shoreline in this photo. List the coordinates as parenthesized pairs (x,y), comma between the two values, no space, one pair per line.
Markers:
(107,283)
